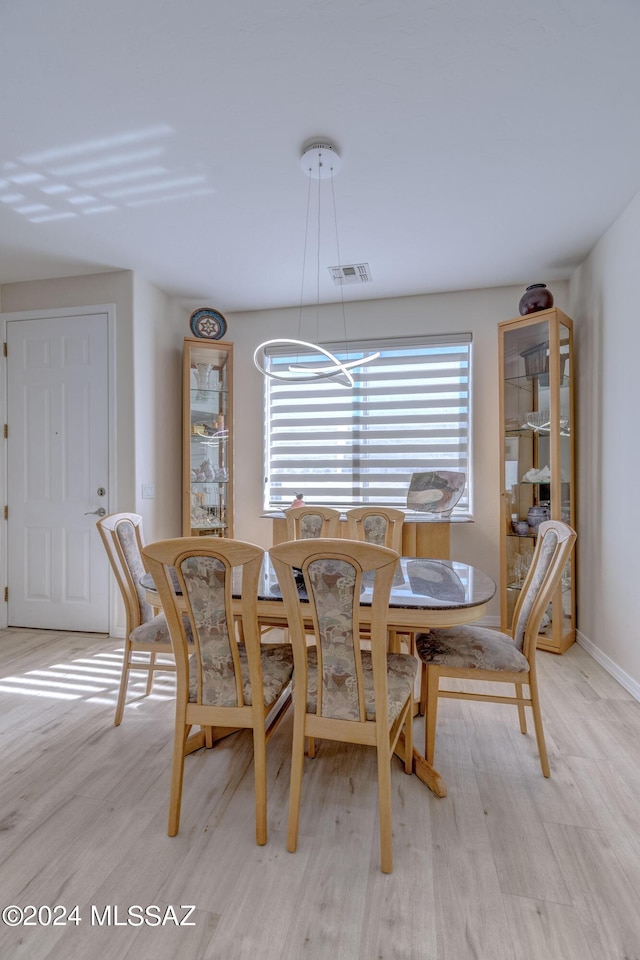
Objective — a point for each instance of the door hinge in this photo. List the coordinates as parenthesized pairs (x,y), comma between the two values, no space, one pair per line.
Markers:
(5,349)
(6,594)
(6,513)
(6,431)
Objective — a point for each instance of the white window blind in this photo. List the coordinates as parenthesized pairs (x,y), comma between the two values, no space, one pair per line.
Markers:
(409,411)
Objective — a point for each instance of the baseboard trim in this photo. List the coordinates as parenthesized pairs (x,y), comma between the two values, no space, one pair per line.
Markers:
(630,685)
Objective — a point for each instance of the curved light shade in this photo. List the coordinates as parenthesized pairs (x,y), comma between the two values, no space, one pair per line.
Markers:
(339,372)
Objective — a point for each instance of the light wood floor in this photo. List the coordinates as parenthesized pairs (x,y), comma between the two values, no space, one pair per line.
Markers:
(508,867)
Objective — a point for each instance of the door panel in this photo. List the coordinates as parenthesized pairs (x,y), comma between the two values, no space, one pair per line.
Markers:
(57,411)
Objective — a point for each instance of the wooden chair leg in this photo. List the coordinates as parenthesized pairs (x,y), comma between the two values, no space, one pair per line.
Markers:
(311,747)
(124,680)
(152,660)
(260,774)
(408,739)
(432,684)
(208,737)
(423,689)
(521,713)
(384,810)
(295,788)
(177,770)
(537,723)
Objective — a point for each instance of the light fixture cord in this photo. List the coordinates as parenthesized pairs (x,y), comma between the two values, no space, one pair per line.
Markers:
(304,262)
(318,261)
(335,221)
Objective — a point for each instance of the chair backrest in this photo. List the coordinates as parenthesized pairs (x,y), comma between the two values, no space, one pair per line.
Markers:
(122,536)
(333,571)
(205,570)
(308,521)
(379,525)
(553,549)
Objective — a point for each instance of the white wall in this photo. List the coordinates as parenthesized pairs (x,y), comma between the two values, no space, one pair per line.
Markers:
(157,347)
(478,311)
(604,299)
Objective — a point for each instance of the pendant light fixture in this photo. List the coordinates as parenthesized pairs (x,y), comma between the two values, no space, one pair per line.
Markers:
(320,161)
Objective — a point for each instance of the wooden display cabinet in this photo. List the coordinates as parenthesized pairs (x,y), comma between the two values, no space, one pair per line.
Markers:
(207,438)
(537,425)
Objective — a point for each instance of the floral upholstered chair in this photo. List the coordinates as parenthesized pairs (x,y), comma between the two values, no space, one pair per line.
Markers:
(146,631)
(341,691)
(380,525)
(226,679)
(305,522)
(478,653)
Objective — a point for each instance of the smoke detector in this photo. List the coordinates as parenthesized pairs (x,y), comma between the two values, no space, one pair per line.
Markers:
(351,273)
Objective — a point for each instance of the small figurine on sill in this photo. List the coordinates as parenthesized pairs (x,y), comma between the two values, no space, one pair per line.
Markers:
(299,500)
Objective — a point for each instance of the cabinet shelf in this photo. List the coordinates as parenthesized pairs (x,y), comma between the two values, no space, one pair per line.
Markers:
(207,483)
(198,392)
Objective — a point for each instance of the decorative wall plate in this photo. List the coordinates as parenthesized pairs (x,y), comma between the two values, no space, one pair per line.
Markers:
(207,323)
(435,491)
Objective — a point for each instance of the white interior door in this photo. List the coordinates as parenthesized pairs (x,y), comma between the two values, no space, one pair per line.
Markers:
(58,470)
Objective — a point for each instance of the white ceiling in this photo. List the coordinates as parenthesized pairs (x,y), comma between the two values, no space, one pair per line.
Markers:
(482,143)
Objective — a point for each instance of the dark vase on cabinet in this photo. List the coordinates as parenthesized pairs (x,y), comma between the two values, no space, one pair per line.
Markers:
(536,297)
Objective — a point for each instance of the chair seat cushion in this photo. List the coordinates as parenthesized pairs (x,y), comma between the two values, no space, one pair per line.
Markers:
(218,679)
(401,675)
(157,631)
(471,648)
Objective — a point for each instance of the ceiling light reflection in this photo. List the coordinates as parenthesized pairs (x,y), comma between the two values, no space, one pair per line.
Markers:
(52,216)
(101,143)
(151,187)
(170,196)
(113,160)
(103,209)
(33,208)
(29,176)
(123,177)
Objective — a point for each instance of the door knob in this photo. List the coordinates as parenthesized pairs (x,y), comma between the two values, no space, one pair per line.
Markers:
(100,512)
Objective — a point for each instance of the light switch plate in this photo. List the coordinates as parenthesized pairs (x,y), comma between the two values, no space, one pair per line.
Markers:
(148,491)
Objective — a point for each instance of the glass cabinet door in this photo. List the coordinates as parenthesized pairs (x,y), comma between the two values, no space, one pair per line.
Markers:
(537,483)
(207,439)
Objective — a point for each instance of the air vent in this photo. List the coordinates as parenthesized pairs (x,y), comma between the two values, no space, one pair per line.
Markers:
(351,273)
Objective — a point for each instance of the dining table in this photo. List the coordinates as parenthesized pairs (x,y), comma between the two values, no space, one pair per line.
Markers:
(426,593)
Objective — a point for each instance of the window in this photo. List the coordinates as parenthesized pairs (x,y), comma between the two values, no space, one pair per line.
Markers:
(408,411)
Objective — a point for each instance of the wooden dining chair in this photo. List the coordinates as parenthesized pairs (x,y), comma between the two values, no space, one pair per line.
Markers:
(222,681)
(382,526)
(308,521)
(478,653)
(145,632)
(342,692)
(379,525)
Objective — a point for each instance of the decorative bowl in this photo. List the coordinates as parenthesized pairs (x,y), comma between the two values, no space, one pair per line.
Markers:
(436,491)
